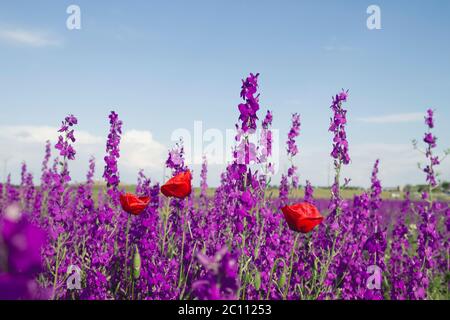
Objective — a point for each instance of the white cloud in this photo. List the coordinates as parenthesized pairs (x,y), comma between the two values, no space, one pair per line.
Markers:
(398,165)
(394,118)
(139,150)
(28,38)
(35,134)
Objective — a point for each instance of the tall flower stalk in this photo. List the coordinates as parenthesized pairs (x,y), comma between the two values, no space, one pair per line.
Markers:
(340,152)
(64,145)
(245,152)
(111,171)
(291,150)
(265,146)
(204,180)
(428,236)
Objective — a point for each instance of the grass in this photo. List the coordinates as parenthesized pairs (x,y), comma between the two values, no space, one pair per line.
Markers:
(319,193)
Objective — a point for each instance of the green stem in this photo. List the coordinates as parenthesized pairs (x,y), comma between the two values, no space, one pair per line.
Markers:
(187,273)
(166,221)
(323,271)
(244,239)
(180,279)
(288,283)
(337,181)
(258,246)
(275,263)
(55,278)
(125,276)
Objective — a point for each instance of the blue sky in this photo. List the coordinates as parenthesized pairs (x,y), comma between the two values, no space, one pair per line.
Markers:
(164,64)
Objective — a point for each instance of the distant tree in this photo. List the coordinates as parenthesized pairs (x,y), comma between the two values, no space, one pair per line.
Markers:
(445,186)
(422,188)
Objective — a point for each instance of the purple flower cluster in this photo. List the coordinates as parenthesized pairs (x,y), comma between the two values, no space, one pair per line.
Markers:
(265,144)
(219,282)
(376,188)
(429,120)
(66,138)
(20,252)
(292,151)
(340,151)
(292,148)
(430,141)
(267,122)
(249,109)
(309,193)
(337,127)
(246,152)
(175,160)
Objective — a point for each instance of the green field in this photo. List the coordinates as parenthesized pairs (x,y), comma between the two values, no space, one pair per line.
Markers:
(319,193)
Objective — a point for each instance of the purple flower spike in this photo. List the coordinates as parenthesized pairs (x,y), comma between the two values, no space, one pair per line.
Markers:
(64,146)
(292,148)
(429,121)
(249,108)
(337,127)
(111,172)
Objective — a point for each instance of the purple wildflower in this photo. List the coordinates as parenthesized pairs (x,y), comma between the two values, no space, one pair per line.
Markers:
(429,121)
(309,193)
(376,189)
(175,160)
(292,148)
(23,241)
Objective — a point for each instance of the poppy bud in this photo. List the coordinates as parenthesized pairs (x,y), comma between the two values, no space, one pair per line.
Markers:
(257,281)
(282,280)
(256,252)
(136,264)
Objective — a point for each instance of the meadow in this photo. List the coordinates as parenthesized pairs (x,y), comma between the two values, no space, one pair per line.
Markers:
(246,239)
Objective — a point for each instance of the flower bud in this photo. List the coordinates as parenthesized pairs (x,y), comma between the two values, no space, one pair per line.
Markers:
(282,280)
(136,264)
(257,281)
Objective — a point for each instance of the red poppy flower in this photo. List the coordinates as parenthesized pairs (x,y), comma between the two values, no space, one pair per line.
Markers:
(179,186)
(302,217)
(133,204)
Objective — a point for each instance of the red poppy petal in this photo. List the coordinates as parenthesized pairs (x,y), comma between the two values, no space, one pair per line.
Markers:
(133,204)
(302,217)
(179,186)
